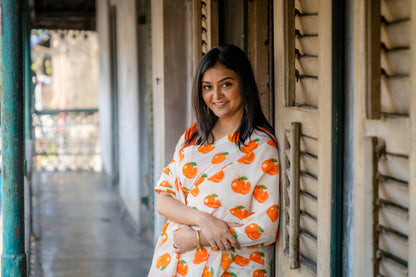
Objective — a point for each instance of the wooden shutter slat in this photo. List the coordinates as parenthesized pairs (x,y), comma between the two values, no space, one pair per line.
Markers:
(396,62)
(309,184)
(390,268)
(307,65)
(395,9)
(308,45)
(394,245)
(393,166)
(394,191)
(396,35)
(309,205)
(308,247)
(309,165)
(310,6)
(395,95)
(309,223)
(307,24)
(394,219)
(309,145)
(306,92)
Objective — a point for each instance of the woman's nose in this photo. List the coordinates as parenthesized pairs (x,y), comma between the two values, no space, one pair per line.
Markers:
(217,91)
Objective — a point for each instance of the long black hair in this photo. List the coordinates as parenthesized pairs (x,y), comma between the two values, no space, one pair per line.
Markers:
(253,118)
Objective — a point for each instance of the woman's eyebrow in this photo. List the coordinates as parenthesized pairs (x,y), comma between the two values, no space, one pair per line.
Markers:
(226,78)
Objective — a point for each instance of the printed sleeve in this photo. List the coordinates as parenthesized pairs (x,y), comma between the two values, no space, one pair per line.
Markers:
(169,181)
(260,228)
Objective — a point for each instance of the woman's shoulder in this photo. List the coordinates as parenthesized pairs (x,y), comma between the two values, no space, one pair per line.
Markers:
(183,140)
(189,132)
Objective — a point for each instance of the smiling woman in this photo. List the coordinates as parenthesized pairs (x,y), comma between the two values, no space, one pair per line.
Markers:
(221,190)
(221,94)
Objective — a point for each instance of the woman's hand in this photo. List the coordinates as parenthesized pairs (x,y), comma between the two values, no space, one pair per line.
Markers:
(184,239)
(217,234)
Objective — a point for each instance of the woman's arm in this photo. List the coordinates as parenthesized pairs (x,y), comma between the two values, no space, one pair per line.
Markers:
(185,239)
(214,231)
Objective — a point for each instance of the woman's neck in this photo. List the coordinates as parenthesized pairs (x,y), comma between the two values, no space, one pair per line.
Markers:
(224,127)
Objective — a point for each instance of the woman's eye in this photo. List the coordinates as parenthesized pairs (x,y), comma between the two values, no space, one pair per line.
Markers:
(226,84)
(206,87)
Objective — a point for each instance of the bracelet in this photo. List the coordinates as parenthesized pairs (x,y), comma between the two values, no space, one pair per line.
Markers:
(198,240)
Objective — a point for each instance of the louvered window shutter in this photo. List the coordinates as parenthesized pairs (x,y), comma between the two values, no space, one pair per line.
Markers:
(383,143)
(303,121)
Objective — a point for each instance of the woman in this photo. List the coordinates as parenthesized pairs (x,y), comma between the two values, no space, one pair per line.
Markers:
(221,190)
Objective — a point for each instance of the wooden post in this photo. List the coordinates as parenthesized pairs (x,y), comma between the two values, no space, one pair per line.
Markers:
(289,50)
(294,195)
(373,46)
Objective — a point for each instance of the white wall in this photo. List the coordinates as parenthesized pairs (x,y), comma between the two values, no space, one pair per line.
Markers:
(104,85)
(128,106)
(128,100)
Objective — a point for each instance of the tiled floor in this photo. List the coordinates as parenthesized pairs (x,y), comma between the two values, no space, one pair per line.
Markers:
(79,231)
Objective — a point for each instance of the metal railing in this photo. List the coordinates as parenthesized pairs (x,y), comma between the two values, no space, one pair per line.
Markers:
(66,140)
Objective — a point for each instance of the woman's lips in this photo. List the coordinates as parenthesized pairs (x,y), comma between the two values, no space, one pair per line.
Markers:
(219,104)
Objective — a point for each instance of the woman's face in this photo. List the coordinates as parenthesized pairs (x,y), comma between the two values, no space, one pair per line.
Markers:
(221,93)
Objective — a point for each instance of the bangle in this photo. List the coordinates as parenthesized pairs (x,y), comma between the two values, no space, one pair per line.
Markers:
(198,240)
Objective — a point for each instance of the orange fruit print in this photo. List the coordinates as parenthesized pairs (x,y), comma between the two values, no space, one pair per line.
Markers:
(189,170)
(217,177)
(163,261)
(273,213)
(163,233)
(195,189)
(211,202)
(228,274)
(234,233)
(225,260)
(201,255)
(260,273)
(219,157)
(250,146)
(208,272)
(239,185)
(185,190)
(240,212)
(206,148)
(181,154)
(253,231)
(241,261)
(247,159)
(182,268)
(201,179)
(257,257)
(166,170)
(171,192)
(233,137)
(270,167)
(260,194)
(272,143)
(165,184)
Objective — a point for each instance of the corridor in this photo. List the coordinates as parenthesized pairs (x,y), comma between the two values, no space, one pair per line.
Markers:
(79,231)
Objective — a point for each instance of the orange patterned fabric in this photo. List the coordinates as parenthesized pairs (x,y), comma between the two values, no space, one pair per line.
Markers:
(234,185)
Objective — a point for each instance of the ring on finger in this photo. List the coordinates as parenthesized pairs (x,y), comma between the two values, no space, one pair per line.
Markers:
(225,243)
